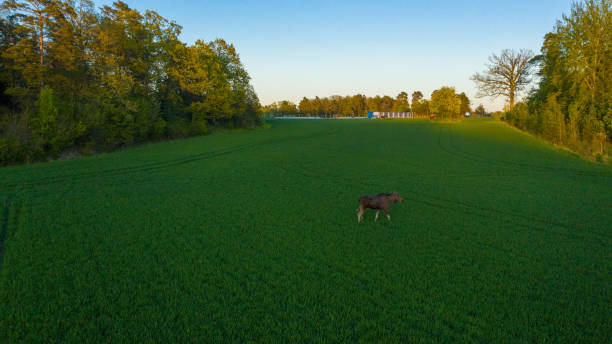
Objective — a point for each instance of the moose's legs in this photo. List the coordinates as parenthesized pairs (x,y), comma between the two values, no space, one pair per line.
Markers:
(360,211)
(388,215)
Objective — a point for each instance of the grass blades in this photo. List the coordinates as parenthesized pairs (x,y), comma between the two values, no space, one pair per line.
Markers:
(252,236)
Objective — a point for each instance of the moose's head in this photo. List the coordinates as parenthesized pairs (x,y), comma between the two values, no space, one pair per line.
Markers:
(395,197)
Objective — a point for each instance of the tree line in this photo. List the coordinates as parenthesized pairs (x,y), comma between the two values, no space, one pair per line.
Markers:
(571,104)
(445,103)
(76,78)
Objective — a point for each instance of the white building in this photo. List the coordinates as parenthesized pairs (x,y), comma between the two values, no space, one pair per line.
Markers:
(390,115)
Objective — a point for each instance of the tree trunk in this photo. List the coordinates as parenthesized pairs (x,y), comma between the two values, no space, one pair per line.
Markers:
(40,49)
(40,46)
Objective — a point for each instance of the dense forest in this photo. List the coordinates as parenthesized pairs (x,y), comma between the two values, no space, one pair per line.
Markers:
(75,79)
(444,102)
(572,104)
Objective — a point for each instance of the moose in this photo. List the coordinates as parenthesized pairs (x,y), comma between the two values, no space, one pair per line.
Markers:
(379,202)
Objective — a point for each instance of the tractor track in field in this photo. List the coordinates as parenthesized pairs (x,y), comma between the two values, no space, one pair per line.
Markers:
(464,207)
(158,165)
(10,205)
(521,219)
(576,172)
(467,208)
(459,155)
(517,218)
(39,198)
(125,170)
(6,211)
(477,160)
(301,171)
(142,168)
(454,150)
(429,200)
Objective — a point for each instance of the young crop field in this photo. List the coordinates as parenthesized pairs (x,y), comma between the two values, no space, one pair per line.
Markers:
(252,236)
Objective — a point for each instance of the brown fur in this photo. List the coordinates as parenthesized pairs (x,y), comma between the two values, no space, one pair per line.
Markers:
(379,202)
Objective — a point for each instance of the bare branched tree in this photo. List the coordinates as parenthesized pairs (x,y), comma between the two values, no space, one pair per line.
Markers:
(506,75)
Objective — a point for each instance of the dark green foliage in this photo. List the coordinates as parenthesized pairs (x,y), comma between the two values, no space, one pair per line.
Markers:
(445,103)
(357,105)
(252,236)
(480,110)
(465,104)
(80,79)
(573,104)
(44,123)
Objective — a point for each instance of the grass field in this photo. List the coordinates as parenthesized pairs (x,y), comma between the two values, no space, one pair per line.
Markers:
(252,236)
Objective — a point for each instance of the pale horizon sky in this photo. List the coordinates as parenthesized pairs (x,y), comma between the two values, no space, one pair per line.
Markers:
(293,49)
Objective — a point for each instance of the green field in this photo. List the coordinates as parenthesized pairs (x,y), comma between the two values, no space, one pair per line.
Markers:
(252,236)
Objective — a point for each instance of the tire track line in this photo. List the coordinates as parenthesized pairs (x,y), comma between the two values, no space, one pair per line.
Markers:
(157,165)
(466,207)
(11,207)
(535,168)
(6,211)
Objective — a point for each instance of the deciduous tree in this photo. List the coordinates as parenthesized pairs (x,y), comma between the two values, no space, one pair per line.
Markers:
(401,102)
(480,110)
(506,75)
(34,17)
(445,102)
(465,103)
(112,77)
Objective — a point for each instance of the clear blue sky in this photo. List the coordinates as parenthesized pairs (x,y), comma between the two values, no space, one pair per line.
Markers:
(307,48)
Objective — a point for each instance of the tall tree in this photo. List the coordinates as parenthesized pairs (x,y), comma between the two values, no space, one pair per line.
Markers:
(506,75)
(401,102)
(10,77)
(573,102)
(70,44)
(201,77)
(386,104)
(335,105)
(287,108)
(445,102)
(358,105)
(317,106)
(465,103)
(34,20)
(480,110)
(416,97)
(234,73)
(306,107)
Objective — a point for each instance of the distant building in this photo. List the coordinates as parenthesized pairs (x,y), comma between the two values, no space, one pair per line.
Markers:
(390,115)
(476,114)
